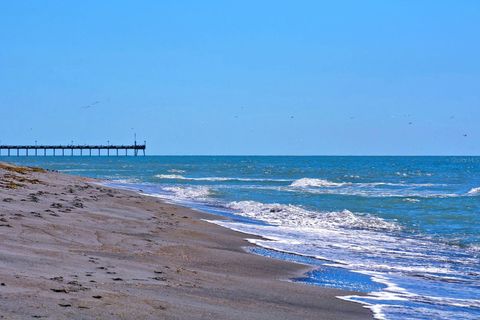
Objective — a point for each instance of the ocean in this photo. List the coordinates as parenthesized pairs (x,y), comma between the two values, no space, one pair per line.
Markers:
(405,231)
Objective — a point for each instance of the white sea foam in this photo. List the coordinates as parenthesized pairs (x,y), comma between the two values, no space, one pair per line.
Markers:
(352,176)
(474,191)
(176,171)
(366,190)
(414,173)
(189,193)
(319,183)
(377,309)
(474,247)
(310,182)
(294,216)
(360,250)
(170,176)
(126,181)
(395,268)
(180,177)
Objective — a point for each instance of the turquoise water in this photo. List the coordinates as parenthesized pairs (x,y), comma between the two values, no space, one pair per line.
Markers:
(404,230)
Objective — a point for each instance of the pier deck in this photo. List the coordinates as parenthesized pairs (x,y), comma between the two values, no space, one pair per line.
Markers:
(36,150)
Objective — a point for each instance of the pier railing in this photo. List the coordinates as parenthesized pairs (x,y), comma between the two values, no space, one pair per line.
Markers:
(36,150)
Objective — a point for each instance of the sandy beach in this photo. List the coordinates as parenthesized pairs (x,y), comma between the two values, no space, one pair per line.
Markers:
(72,249)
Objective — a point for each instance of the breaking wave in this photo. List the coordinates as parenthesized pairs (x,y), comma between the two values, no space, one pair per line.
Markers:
(309,182)
(170,176)
(377,193)
(180,177)
(294,216)
(375,189)
(474,191)
(189,193)
(176,171)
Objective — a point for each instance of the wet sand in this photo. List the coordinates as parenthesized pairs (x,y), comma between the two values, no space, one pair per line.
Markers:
(71,249)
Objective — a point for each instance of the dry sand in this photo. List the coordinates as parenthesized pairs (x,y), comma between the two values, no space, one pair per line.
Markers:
(71,249)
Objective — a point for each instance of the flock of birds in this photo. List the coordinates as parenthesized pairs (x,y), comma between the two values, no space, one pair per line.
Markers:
(410,123)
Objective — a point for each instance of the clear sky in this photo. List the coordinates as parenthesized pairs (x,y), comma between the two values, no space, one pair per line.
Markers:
(244,77)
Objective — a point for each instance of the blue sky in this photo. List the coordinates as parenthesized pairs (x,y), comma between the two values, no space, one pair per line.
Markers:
(244,77)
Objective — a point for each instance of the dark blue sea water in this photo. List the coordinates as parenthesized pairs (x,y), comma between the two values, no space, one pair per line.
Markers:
(404,230)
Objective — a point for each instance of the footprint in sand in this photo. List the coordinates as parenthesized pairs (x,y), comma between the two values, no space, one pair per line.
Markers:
(159,278)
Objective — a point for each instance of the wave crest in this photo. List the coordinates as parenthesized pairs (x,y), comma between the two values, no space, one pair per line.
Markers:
(474,191)
(310,182)
(170,176)
(180,177)
(294,216)
(176,171)
(189,193)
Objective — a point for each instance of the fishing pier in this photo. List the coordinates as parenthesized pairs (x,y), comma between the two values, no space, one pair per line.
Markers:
(71,150)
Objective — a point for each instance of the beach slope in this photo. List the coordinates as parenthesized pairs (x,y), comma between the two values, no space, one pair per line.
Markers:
(72,249)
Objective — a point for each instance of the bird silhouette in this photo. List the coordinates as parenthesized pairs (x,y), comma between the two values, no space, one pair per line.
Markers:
(88,106)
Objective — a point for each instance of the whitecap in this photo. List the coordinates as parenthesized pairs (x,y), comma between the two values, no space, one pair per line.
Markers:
(295,216)
(189,193)
(368,190)
(474,247)
(180,177)
(474,191)
(310,182)
(414,173)
(176,171)
(170,176)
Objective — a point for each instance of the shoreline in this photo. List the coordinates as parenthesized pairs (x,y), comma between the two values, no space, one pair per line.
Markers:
(72,249)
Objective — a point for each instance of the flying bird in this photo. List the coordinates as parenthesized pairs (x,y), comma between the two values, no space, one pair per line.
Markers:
(88,106)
